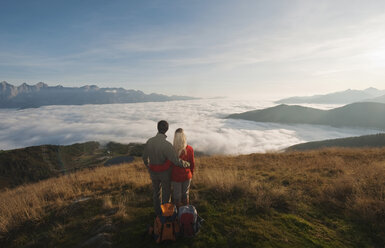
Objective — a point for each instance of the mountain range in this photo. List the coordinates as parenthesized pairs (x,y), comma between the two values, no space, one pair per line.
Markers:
(31,96)
(363,114)
(341,97)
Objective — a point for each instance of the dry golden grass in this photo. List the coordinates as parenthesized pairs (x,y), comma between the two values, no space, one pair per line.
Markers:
(351,181)
(31,202)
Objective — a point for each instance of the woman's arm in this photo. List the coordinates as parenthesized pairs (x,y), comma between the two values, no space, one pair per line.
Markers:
(191,160)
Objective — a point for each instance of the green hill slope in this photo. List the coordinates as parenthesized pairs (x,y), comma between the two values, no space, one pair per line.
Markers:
(376,140)
(283,114)
(367,114)
(35,163)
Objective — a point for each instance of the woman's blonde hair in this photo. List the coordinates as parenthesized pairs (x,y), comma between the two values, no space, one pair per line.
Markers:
(180,141)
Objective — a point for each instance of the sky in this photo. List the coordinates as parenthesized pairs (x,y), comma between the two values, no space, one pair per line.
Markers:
(196,47)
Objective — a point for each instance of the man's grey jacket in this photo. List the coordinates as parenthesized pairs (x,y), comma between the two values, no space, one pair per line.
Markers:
(158,150)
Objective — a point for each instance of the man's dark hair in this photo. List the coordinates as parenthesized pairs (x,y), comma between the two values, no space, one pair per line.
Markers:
(162,126)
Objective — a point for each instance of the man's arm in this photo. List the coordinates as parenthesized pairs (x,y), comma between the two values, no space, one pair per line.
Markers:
(171,155)
(145,155)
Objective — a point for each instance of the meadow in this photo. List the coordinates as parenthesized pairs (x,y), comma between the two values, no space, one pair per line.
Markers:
(323,198)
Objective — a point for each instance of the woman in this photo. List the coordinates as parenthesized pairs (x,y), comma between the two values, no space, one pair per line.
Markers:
(181,177)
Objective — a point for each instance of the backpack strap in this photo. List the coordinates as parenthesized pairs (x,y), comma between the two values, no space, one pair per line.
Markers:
(173,228)
(161,233)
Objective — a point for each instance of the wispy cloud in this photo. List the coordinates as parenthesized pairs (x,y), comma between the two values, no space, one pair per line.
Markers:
(299,45)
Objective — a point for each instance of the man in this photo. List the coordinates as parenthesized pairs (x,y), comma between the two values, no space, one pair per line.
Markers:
(155,155)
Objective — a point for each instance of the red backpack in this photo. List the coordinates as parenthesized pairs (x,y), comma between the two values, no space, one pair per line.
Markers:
(189,221)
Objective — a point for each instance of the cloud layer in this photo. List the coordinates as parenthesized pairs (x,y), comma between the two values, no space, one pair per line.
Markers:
(202,120)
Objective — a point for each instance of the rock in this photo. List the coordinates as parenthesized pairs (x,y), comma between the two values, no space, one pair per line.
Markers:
(105,244)
(107,228)
(101,240)
(111,211)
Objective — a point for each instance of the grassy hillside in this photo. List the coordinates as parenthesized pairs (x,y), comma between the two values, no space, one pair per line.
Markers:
(376,140)
(363,114)
(35,163)
(325,198)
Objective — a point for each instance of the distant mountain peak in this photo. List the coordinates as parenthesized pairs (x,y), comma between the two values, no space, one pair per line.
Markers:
(90,87)
(340,97)
(4,84)
(371,88)
(41,85)
(24,86)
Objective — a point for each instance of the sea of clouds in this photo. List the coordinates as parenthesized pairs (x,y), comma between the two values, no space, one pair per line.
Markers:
(204,123)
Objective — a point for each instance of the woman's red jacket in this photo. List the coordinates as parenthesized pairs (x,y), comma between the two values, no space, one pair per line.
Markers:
(180,174)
